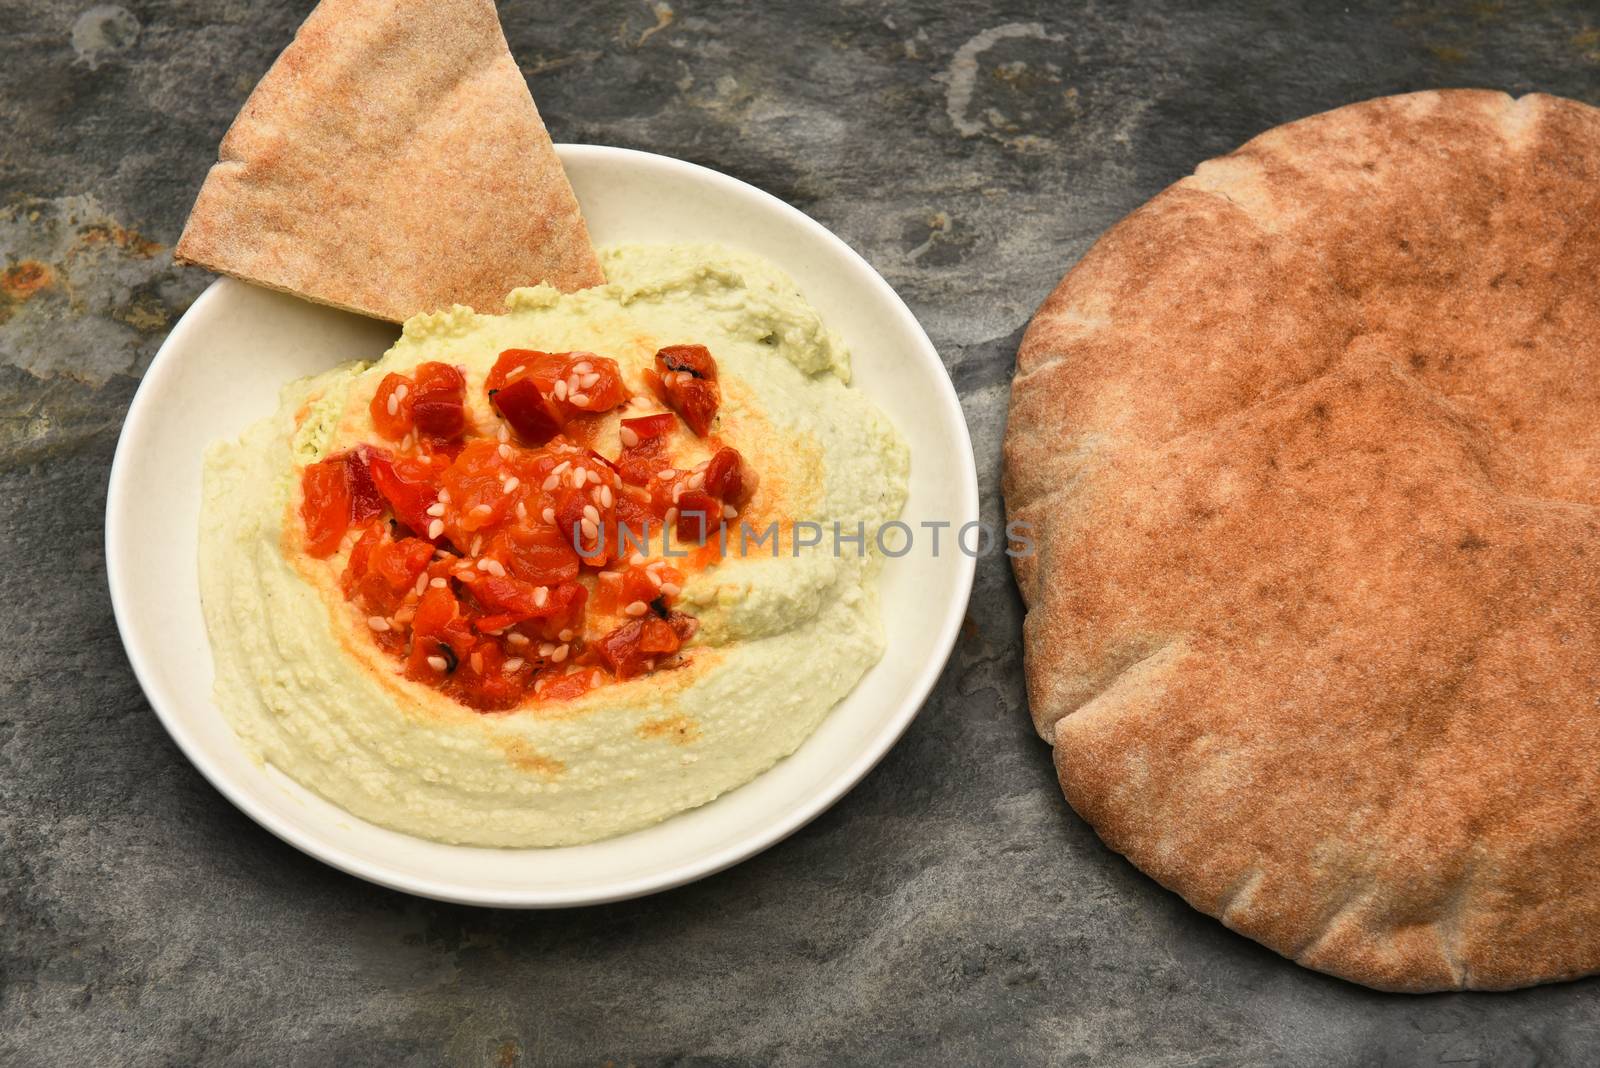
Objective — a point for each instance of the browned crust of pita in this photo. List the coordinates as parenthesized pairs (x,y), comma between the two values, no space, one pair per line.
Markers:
(1311,443)
(392,162)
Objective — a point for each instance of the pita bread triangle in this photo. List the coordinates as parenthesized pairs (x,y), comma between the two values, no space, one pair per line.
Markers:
(392,162)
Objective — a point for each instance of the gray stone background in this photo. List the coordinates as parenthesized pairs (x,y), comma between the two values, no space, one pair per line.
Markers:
(950,910)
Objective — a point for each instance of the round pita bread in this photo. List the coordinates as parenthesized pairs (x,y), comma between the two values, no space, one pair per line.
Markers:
(1310,445)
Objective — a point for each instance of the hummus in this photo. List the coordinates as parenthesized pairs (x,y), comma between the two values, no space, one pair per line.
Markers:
(781,630)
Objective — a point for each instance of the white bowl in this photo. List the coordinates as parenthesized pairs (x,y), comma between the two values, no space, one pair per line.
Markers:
(221,369)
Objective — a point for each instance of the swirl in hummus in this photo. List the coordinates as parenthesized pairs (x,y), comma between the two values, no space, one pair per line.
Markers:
(395,625)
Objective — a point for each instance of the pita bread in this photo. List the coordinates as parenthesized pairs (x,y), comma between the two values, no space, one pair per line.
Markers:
(1311,447)
(392,162)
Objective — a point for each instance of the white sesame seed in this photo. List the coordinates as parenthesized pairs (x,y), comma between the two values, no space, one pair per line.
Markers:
(697,480)
(378,623)
(394,404)
(671,589)
(565,635)
(541,594)
(677,493)
(517,638)
(672,516)
(578,399)
(477,663)
(466,576)
(594,477)
(560,467)
(607,499)
(516,372)
(522,510)
(512,483)
(505,451)
(512,665)
(438,663)
(702,465)
(407,442)
(477,545)
(436,509)
(549,516)
(579,477)
(546,648)
(730,512)
(492,566)
(637,608)
(436,528)
(589,381)
(560,654)
(636,559)
(629,436)
(655,579)
(401,390)
(439,583)
(552,482)
(591,513)
(444,495)
(667,474)
(609,576)
(591,530)
(503,434)
(422,583)
(583,367)
(481,509)
(560,390)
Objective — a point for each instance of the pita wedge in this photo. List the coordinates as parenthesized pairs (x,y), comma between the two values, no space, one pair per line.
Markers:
(1311,448)
(392,162)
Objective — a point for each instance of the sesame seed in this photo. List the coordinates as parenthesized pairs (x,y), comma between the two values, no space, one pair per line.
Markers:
(579,399)
(436,509)
(549,516)
(579,477)
(541,594)
(655,579)
(401,390)
(671,589)
(560,654)
(477,662)
(667,474)
(697,480)
(505,451)
(404,616)
(436,528)
(465,576)
(591,530)
(444,495)
(609,576)
(439,583)
(517,638)
(606,497)
(672,516)
(729,512)
(503,434)
(637,608)
(560,467)
(407,442)
(481,509)
(546,648)
(522,510)
(512,483)
(378,623)
(394,404)
(514,664)
(629,436)
(477,545)
(422,583)
(636,559)
(560,390)
(594,477)
(591,513)
(677,493)
(565,635)
(552,482)
(438,663)
(702,465)
(583,367)
(516,372)
(589,381)
(492,566)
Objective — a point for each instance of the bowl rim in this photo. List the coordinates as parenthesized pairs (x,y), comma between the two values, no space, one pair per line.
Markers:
(243,797)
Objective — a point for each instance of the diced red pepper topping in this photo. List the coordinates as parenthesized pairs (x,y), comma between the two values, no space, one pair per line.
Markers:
(686,380)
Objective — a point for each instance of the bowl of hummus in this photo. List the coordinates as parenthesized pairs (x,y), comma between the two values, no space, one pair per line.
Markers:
(561,605)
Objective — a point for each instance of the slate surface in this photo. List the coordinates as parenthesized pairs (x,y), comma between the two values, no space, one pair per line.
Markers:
(952,909)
